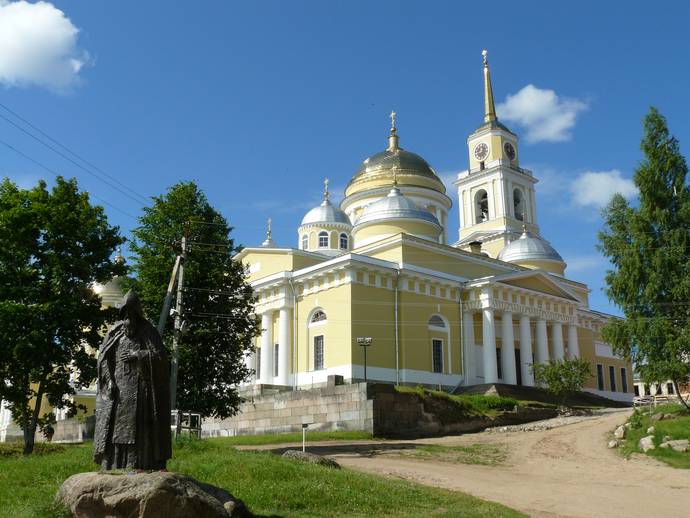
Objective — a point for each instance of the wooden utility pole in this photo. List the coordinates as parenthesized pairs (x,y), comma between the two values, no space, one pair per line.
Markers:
(178,322)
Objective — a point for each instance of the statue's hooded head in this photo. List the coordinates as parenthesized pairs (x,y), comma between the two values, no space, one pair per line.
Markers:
(131,312)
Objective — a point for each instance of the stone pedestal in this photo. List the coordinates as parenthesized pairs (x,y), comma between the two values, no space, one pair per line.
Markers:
(146,495)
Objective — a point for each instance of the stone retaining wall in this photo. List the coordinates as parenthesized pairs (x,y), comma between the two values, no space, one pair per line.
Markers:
(270,410)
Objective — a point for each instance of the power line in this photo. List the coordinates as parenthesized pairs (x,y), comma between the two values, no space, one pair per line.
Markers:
(51,171)
(137,197)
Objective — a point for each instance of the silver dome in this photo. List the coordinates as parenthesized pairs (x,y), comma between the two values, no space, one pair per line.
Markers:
(529,248)
(326,213)
(395,206)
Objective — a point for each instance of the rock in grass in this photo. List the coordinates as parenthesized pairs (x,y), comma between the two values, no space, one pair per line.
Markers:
(619,433)
(650,430)
(311,458)
(680,445)
(146,495)
(647,443)
(613,443)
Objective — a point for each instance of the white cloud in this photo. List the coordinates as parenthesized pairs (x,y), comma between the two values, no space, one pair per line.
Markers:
(546,116)
(38,46)
(595,189)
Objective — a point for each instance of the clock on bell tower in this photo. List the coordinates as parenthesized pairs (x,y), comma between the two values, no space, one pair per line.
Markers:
(496,196)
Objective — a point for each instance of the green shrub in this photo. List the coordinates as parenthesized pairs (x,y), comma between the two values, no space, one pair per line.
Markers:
(562,378)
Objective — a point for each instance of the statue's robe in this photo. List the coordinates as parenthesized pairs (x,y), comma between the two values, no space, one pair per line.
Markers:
(132,400)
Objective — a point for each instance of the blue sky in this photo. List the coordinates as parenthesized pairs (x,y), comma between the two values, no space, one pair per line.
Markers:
(259,101)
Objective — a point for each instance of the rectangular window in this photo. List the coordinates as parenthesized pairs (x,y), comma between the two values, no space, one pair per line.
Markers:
(637,390)
(624,379)
(647,391)
(669,388)
(612,378)
(600,376)
(318,353)
(275,360)
(437,355)
(258,363)
(499,370)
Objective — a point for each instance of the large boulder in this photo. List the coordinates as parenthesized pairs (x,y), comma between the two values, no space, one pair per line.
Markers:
(619,433)
(681,445)
(146,495)
(647,443)
(311,458)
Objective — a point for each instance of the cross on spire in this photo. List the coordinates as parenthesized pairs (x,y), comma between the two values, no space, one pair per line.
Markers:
(393,114)
(269,230)
(326,194)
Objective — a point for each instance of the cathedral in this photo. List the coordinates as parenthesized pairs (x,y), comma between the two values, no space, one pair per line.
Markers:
(375,290)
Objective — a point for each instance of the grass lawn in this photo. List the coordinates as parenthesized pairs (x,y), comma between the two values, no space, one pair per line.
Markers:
(268,484)
(677,428)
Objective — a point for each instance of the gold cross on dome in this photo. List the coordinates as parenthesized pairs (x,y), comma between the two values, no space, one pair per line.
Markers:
(269,223)
(393,114)
(325,188)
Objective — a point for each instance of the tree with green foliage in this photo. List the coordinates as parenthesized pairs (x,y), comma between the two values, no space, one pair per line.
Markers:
(218,310)
(649,248)
(563,378)
(54,245)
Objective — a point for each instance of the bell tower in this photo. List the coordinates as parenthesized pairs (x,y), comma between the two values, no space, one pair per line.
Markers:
(496,196)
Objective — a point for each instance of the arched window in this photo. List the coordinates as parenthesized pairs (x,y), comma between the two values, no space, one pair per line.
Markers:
(518,205)
(343,241)
(318,316)
(437,321)
(305,241)
(323,239)
(481,206)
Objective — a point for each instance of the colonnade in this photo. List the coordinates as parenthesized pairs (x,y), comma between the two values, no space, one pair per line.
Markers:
(536,350)
(269,373)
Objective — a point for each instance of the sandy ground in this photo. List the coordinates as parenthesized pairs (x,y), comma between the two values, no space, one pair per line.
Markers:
(566,471)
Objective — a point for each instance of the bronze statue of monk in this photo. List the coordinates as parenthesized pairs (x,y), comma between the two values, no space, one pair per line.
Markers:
(133,394)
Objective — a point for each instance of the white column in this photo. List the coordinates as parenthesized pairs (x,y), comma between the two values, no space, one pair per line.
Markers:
(250,364)
(283,346)
(557,341)
(508,350)
(542,342)
(489,353)
(526,352)
(266,347)
(469,347)
(573,346)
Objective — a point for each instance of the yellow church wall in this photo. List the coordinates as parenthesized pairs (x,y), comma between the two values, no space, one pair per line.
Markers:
(385,179)
(264,264)
(373,314)
(586,339)
(336,331)
(391,229)
(548,266)
(446,263)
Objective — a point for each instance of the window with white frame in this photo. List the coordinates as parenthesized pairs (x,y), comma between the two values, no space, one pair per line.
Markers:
(343,241)
(323,239)
(612,378)
(318,316)
(624,379)
(318,353)
(518,204)
(305,241)
(437,321)
(481,206)
(437,355)
(600,376)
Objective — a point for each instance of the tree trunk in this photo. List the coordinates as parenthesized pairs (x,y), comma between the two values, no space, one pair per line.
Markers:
(680,396)
(30,427)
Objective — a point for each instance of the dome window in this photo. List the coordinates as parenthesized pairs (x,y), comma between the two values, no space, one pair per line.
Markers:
(343,242)
(481,202)
(323,239)
(305,241)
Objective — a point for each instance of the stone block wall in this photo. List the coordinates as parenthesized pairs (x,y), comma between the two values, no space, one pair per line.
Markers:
(329,408)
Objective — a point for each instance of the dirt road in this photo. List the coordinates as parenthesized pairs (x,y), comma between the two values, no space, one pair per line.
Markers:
(562,472)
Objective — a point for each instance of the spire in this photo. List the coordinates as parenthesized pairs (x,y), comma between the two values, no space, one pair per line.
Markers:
(268,242)
(393,137)
(119,258)
(326,194)
(489,108)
